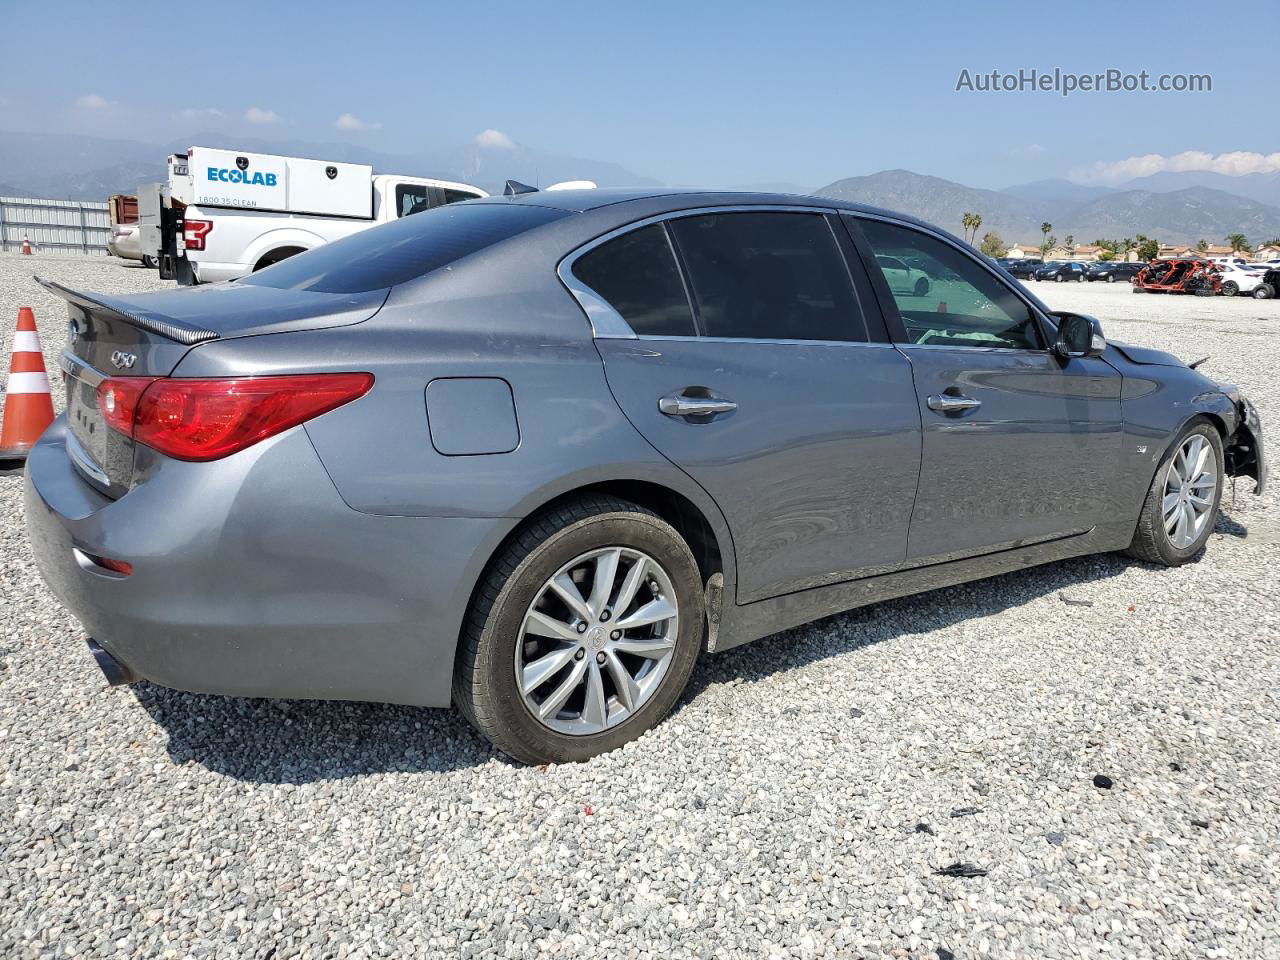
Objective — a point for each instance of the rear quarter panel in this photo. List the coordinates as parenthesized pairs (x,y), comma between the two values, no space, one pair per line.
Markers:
(506,322)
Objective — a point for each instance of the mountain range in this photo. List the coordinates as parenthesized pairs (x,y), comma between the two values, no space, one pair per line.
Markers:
(58,166)
(1173,207)
(1180,215)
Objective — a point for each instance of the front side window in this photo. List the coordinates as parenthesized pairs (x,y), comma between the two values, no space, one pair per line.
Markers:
(945,298)
(768,276)
(636,274)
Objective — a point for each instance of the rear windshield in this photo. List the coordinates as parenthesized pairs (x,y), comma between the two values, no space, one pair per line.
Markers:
(386,255)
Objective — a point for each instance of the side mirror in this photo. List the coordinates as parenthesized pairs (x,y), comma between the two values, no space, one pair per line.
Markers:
(1079,335)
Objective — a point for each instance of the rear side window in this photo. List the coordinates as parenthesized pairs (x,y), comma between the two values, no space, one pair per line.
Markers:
(636,274)
(383,256)
(768,276)
(454,196)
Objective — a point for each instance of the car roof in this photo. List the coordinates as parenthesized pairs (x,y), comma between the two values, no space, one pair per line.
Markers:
(581,201)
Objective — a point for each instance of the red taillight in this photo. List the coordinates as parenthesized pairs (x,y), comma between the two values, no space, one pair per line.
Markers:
(209,419)
(194,232)
(118,400)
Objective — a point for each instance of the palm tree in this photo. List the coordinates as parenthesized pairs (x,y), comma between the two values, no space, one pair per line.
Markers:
(1126,245)
(1239,243)
(971,222)
(1048,242)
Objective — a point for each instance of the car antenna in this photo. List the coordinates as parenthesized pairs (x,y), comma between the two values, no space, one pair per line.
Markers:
(1195,363)
(514,188)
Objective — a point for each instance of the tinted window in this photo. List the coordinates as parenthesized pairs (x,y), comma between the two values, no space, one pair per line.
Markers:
(453,196)
(412,198)
(959,303)
(768,276)
(383,256)
(636,274)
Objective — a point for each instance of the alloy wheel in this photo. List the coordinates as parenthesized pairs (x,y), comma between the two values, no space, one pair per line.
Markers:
(1190,489)
(597,641)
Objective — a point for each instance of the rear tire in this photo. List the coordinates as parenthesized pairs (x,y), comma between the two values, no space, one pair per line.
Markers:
(1230,288)
(1111,278)
(922,287)
(496,641)
(1156,539)
(1263,291)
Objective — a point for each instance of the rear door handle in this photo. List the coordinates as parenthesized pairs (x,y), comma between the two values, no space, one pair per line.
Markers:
(951,403)
(678,405)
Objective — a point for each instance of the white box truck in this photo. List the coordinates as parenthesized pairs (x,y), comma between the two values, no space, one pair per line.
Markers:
(232,212)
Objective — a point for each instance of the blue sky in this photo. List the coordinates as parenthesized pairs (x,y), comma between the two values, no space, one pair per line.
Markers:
(684,92)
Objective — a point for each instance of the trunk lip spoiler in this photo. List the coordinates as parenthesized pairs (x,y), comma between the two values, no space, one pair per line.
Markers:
(164,326)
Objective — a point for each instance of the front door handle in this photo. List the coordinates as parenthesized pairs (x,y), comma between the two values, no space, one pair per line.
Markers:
(678,405)
(952,403)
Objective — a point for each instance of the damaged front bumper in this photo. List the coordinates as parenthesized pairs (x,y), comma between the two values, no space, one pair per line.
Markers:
(1243,449)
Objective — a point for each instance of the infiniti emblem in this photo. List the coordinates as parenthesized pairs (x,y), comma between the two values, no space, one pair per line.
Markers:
(73,331)
(123,360)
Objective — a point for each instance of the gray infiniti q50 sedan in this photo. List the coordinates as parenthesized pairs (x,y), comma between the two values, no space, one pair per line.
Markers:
(533,455)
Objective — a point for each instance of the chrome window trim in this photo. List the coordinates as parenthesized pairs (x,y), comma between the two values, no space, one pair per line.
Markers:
(676,338)
(608,324)
(1036,312)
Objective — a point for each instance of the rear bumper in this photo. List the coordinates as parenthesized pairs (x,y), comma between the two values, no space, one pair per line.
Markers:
(251,577)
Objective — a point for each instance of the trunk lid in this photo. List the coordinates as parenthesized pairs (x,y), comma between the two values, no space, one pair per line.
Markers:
(147,335)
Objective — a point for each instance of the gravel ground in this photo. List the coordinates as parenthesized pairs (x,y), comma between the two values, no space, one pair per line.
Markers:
(797,804)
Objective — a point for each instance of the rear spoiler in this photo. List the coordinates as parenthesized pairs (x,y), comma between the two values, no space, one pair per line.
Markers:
(153,323)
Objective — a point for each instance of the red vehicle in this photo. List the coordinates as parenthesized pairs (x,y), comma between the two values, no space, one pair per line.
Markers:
(1199,277)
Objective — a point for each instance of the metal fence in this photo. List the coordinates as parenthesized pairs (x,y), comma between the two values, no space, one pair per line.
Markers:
(62,226)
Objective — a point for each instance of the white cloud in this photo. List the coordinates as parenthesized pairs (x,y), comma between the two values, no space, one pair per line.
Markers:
(201,113)
(91,101)
(494,140)
(261,117)
(349,121)
(1235,164)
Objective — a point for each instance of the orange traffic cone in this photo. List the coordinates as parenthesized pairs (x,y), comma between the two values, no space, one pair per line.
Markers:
(28,407)
(26,247)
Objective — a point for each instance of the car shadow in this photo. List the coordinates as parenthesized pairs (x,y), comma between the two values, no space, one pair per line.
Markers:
(891,619)
(306,741)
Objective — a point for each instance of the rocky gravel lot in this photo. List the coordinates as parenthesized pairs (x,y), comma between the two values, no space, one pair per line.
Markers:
(799,803)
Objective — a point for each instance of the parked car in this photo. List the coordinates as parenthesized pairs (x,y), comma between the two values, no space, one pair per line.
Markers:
(1112,270)
(1061,272)
(903,277)
(1270,285)
(534,455)
(1248,281)
(124,243)
(1025,269)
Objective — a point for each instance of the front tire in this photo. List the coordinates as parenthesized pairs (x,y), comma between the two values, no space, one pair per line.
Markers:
(1263,291)
(1182,502)
(548,669)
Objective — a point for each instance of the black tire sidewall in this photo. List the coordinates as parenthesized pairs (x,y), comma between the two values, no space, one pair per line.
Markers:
(523,736)
(1172,555)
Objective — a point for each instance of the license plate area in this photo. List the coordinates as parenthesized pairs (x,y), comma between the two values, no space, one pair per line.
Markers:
(103,457)
(85,419)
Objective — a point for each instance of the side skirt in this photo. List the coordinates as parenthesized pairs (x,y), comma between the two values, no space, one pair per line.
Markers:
(744,623)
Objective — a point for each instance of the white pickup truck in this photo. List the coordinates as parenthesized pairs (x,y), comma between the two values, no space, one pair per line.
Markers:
(232,213)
